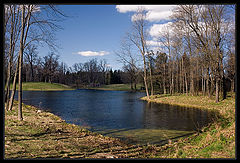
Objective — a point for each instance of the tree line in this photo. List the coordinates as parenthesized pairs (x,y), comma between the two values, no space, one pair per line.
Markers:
(92,73)
(196,51)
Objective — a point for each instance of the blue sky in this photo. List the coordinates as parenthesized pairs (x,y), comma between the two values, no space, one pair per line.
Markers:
(92,28)
(96,31)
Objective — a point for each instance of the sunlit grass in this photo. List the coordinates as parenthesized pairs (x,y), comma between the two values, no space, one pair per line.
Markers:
(117,87)
(42,86)
(214,141)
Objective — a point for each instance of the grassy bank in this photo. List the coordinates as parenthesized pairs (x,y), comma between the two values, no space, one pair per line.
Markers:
(44,135)
(214,141)
(42,86)
(116,87)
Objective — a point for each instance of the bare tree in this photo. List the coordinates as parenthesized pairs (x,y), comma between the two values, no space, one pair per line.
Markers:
(150,66)
(12,13)
(165,37)
(138,37)
(130,60)
(209,26)
(50,65)
(31,19)
(30,58)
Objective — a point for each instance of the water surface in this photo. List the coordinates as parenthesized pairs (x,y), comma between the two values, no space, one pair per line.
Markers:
(120,113)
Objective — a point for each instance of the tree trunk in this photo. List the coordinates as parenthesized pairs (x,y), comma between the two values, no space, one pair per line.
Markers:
(203,82)
(14,86)
(186,83)
(217,90)
(232,86)
(151,82)
(131,84)
(191,82)
(145,77)
(224,88)
(20,86)
(164,80)
(20,66)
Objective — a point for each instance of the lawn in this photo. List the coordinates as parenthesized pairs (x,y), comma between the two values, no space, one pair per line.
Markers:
(44,135)
(42,86)
(214,141)
(117,87)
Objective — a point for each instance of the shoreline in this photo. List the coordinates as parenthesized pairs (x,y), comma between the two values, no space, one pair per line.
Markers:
(214,141)
(44,135)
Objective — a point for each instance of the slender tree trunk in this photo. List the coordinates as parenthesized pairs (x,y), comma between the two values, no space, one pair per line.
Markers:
(7,95)
(145,77)
(32,76)
(186,83)
(164,79)
(7,89)
(183,77)
(217,90)
(232,85)
(208,84)
(20,117)
(224,88)
(151,82)
(131,84)
(20,88)
(191,82)
(14,86)
(172,79)
(203,91)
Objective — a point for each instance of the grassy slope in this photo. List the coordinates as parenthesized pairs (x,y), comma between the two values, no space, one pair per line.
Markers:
(214,141)
(41,86)
(45,135)
(116,87)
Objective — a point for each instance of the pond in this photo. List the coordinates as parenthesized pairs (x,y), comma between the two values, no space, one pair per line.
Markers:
(120,114)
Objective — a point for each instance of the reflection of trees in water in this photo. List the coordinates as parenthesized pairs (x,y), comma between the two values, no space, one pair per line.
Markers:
(116,109)
(174,117)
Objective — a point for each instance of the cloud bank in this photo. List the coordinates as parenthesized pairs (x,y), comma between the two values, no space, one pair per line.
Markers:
(156,29)
(158,15)
(92,53)
(155,13)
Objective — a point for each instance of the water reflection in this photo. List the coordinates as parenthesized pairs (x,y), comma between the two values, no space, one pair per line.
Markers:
(116,110)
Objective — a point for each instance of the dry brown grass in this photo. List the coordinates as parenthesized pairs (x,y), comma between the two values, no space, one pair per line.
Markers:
(215,141)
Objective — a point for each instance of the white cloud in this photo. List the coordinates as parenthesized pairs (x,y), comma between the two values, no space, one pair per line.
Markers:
(92,53)
(156,29)
(155,16)
(153,43)
(154,13)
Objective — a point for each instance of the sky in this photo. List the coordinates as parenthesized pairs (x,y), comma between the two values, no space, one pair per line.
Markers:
(96,31)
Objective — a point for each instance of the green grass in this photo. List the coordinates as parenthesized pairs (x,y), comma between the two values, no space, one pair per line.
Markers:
(116,87)
(45,135)
(214,141)
(42,86)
